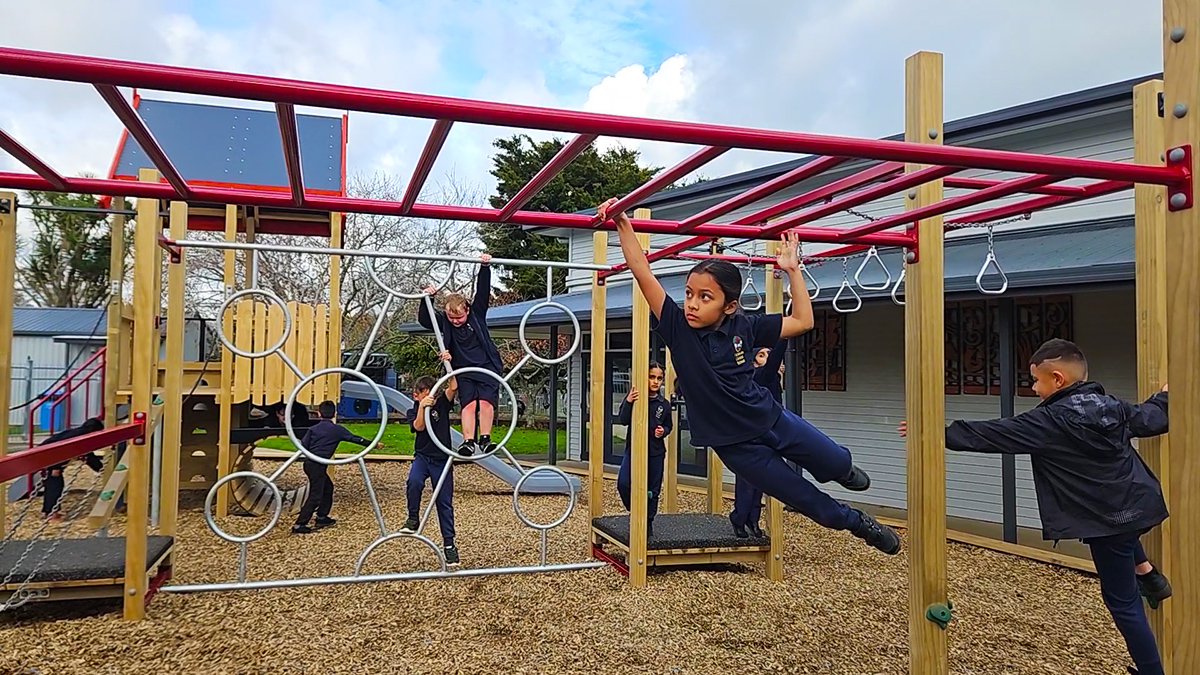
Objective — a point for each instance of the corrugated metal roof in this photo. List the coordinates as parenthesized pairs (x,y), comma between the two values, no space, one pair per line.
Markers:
(58,321)
(1096,252)
(227,145)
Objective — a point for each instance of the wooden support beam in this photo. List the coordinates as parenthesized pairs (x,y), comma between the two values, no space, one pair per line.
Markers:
(172,434)
(669,503)
(598,427)
(225,400)
(716,481)
(1150,257)
(333,383)
(1181,102)
(112,353)
(773,290)
(8,280)
(145,357)
(925,398)
(638,427)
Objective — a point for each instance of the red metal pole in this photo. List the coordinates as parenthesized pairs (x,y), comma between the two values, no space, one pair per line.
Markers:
(797,175)
(69,67)
(666,252)
(870,194)
(433,147)
(285,113)
(24,156)
(36,459)
(962,182)
(749,259)
(869,175)
(141,133)
(564,157)
(698,159)
(1097,189)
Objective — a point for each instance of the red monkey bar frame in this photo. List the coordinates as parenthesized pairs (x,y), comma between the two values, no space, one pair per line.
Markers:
(940,161)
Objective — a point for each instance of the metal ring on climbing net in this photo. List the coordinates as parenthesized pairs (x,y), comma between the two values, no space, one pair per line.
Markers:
(283,337)
(512,424)
(525,344)
(212,492)
(291,402)
(407,296)
(570,503)
(399,535)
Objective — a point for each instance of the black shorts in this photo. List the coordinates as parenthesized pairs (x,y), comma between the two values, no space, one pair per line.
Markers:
(483,389)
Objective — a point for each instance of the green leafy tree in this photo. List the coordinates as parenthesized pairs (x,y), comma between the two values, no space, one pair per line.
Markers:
(590,179)
(68,254)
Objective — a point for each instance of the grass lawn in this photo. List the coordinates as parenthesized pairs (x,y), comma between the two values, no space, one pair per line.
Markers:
(398,440)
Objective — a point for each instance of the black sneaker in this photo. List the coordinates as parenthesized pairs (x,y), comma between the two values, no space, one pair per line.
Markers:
(739,531)
(755,530)
(485,444)
(410,525)
(880,536)
(467,448)
(451,553)
(857,480)
(325,522)
(301,529)
(1154,587)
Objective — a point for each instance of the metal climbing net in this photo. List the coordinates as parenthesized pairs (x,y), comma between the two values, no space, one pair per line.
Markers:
(386,533)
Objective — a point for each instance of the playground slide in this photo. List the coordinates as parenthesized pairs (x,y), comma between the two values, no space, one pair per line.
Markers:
(543,482)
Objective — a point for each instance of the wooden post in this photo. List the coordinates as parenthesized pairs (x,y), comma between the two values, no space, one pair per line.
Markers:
(225,400)
(598,426)
(638,426)
(112,344)
(669,503)
(716,470)
(925,399)
(145,372)
(773,290)
(1150,256)
(1181,103)
(333,384)
(8,280)
(172,420)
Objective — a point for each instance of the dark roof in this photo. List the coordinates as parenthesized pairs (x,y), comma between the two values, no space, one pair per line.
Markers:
(52,321)
(1055,255)
(235,146)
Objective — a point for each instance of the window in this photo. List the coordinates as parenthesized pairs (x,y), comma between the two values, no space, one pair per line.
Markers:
(973,341)
(824,350)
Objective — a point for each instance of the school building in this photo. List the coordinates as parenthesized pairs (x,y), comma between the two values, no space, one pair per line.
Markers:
(1070,274)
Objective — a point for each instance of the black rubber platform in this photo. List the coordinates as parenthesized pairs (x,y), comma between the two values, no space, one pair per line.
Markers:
(75,559)
(681,530)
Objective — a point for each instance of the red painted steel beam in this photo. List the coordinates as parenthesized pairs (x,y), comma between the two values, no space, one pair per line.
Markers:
(751,259)
(75,68)
(285,113)
(666,252)
(24,156)
(36,459)
(564,157)
(954,203)
(899,184)
(141,133)
(786,180)
(697,160)
(1097,189)
(822,193)
(965,183)
(433,147)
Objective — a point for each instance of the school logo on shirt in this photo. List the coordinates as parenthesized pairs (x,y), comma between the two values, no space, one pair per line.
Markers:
(433,414)
(739,355)
(658,412)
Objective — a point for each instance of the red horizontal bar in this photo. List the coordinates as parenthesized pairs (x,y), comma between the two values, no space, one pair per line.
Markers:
(173,249)
(555,166)
(961,202)
(141,133)
(749,259)
(797,175)
(433,147)
(1097,189)
(823,193)
(285,113)
(35,459)
(69,67)
(697,160)
(24,156)
(668,251)
(870,194)
(297,228)
(962,182)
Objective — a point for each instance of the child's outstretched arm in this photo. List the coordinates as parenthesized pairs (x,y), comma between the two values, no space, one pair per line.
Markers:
(451,388)
(801,320)
(1022,434)
(423,317)
(483,286)
(1149,418)
(635,257)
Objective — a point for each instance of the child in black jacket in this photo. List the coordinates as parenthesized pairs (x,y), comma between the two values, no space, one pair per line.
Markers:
(322,439)
(1091,484)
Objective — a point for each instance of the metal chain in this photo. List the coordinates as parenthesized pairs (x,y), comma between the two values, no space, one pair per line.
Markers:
(860,214)
(963,226)
(17,523)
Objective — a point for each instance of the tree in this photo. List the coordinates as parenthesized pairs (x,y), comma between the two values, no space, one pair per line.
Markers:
(588,180)
(67,264)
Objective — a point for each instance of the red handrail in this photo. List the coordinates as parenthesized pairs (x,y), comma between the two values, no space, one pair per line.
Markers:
(29,461)
(70,382)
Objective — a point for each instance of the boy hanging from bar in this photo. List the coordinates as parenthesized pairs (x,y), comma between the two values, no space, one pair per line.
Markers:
(463,326)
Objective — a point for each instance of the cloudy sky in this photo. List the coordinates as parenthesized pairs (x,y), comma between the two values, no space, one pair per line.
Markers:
(831,66)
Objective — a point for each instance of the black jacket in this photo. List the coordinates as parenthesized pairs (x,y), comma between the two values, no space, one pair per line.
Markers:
(322,439)
(1090,482)
(476,322)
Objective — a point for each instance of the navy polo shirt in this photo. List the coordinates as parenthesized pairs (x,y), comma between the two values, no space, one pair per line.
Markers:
(439,419)
(659,410)
(715,367)
(470,344)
